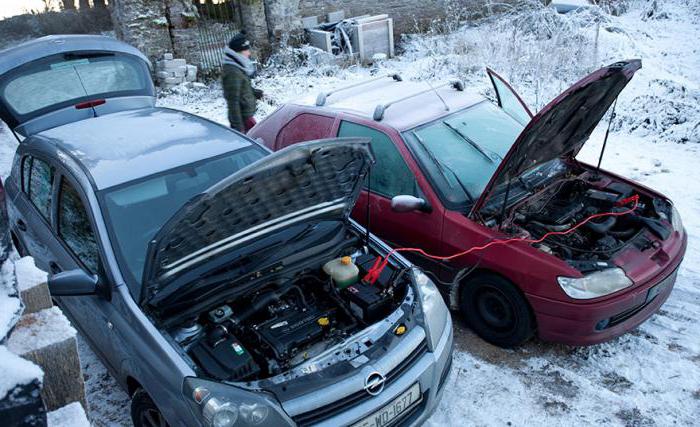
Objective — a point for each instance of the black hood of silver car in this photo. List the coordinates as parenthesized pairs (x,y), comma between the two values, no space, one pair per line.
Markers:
(317,180)
(564,125)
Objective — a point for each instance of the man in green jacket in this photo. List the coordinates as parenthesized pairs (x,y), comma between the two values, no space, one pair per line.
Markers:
(239,93)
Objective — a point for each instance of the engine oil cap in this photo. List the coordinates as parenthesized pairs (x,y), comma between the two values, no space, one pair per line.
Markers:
(323,321)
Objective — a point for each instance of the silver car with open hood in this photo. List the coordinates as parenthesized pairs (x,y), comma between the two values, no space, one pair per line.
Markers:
(220,284)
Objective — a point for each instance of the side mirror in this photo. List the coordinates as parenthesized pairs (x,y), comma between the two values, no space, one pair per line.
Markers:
(73,283)
(406,203)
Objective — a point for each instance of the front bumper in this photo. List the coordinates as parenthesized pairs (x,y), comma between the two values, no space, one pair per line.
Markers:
(429,369)
(592,323)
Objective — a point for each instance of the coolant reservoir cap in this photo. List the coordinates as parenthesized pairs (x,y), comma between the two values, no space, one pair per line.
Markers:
(346,260)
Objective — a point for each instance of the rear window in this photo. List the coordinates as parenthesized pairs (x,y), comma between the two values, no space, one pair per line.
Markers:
(62,80)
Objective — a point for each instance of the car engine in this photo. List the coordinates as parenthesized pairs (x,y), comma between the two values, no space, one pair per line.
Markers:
(287,321)
(568,201)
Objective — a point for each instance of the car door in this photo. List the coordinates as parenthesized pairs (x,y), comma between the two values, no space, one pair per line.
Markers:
(32,221)
(76,246)
(508,99)
(389,177)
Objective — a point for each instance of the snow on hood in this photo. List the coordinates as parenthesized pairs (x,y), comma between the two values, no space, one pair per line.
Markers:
(304,182)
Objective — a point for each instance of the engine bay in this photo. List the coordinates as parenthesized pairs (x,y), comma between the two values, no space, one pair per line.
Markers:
(569,200)
(288,319)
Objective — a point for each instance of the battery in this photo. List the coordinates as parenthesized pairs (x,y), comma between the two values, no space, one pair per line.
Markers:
(367,301)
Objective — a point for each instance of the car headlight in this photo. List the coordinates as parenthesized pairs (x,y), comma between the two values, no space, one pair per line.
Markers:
(594,285)
(676,220)
(222,405)
(434,309)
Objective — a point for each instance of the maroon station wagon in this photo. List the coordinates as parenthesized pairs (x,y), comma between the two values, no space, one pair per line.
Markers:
(455,170)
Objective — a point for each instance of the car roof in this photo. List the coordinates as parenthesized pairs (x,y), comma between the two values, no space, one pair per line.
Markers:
(50,45)
(122,147)
(409,113)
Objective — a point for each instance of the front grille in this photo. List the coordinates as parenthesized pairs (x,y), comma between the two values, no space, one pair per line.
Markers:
(319,414)
(629,313)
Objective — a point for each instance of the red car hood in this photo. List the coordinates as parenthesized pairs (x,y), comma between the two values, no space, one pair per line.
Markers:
(562,127)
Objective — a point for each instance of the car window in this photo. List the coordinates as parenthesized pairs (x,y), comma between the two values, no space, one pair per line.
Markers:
(26,169)
(390,175)
(74,227)
(460,152)
(304,127)
(40,182)
(59,79)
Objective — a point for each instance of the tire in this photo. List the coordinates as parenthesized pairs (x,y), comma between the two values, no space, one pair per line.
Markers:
(496,310)
(145,413)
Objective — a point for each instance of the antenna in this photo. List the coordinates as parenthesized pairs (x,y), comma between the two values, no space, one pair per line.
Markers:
(447,108)
(605,140)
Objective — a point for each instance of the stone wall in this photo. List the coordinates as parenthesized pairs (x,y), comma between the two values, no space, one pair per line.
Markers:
(409,16)
(158,26)
(270,22)
(405,13)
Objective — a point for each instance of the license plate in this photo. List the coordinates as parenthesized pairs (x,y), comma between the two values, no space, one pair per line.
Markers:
(389,413)
(656,290)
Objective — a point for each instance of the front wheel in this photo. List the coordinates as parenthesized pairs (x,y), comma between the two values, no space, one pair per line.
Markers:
(145,413)
(496,310)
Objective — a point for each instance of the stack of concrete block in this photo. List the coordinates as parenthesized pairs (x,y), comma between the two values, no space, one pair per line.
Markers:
(47,339)
(171,72)
(43,337)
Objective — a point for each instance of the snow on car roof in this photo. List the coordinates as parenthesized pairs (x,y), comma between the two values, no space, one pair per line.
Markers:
(407,114)
(121,147)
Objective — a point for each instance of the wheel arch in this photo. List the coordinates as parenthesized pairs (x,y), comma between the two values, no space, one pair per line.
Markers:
(460,282)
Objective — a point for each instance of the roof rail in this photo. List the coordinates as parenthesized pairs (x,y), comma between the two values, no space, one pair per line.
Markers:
(321,98)
(381,108)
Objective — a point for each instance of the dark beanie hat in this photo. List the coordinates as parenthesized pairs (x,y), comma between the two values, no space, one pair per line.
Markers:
(239,42)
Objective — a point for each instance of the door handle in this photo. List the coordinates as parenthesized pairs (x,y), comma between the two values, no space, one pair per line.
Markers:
(21,225)
(55,269)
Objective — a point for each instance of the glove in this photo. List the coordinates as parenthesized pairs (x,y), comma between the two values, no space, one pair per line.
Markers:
(258,93)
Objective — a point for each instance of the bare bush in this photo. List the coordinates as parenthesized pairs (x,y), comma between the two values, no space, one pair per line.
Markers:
(36,24)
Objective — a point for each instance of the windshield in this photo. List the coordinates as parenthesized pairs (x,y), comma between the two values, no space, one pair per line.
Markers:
(136,210)
(460,153)
(66,79)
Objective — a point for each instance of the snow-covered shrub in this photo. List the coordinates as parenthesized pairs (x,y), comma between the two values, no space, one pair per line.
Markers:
(667,110)
(531,45)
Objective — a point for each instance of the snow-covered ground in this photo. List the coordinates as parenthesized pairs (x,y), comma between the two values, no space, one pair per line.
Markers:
(650,376)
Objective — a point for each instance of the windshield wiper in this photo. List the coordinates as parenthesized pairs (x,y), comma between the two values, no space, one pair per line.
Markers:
(489,155)
(442,166)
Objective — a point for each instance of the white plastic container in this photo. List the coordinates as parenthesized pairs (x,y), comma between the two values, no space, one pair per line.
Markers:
(343,271)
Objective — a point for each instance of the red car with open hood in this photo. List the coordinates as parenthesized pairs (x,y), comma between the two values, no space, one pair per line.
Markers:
(454,171)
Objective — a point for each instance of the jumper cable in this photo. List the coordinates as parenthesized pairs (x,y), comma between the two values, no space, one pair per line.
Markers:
(379,264)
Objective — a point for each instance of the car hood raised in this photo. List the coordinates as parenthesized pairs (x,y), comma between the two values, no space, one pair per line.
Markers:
(562,127)
(305,182)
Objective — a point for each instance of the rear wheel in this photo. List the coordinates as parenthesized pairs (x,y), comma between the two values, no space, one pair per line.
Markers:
(145,413)
(496,310)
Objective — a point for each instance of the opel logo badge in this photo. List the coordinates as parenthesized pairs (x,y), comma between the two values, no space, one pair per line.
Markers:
(374,383)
